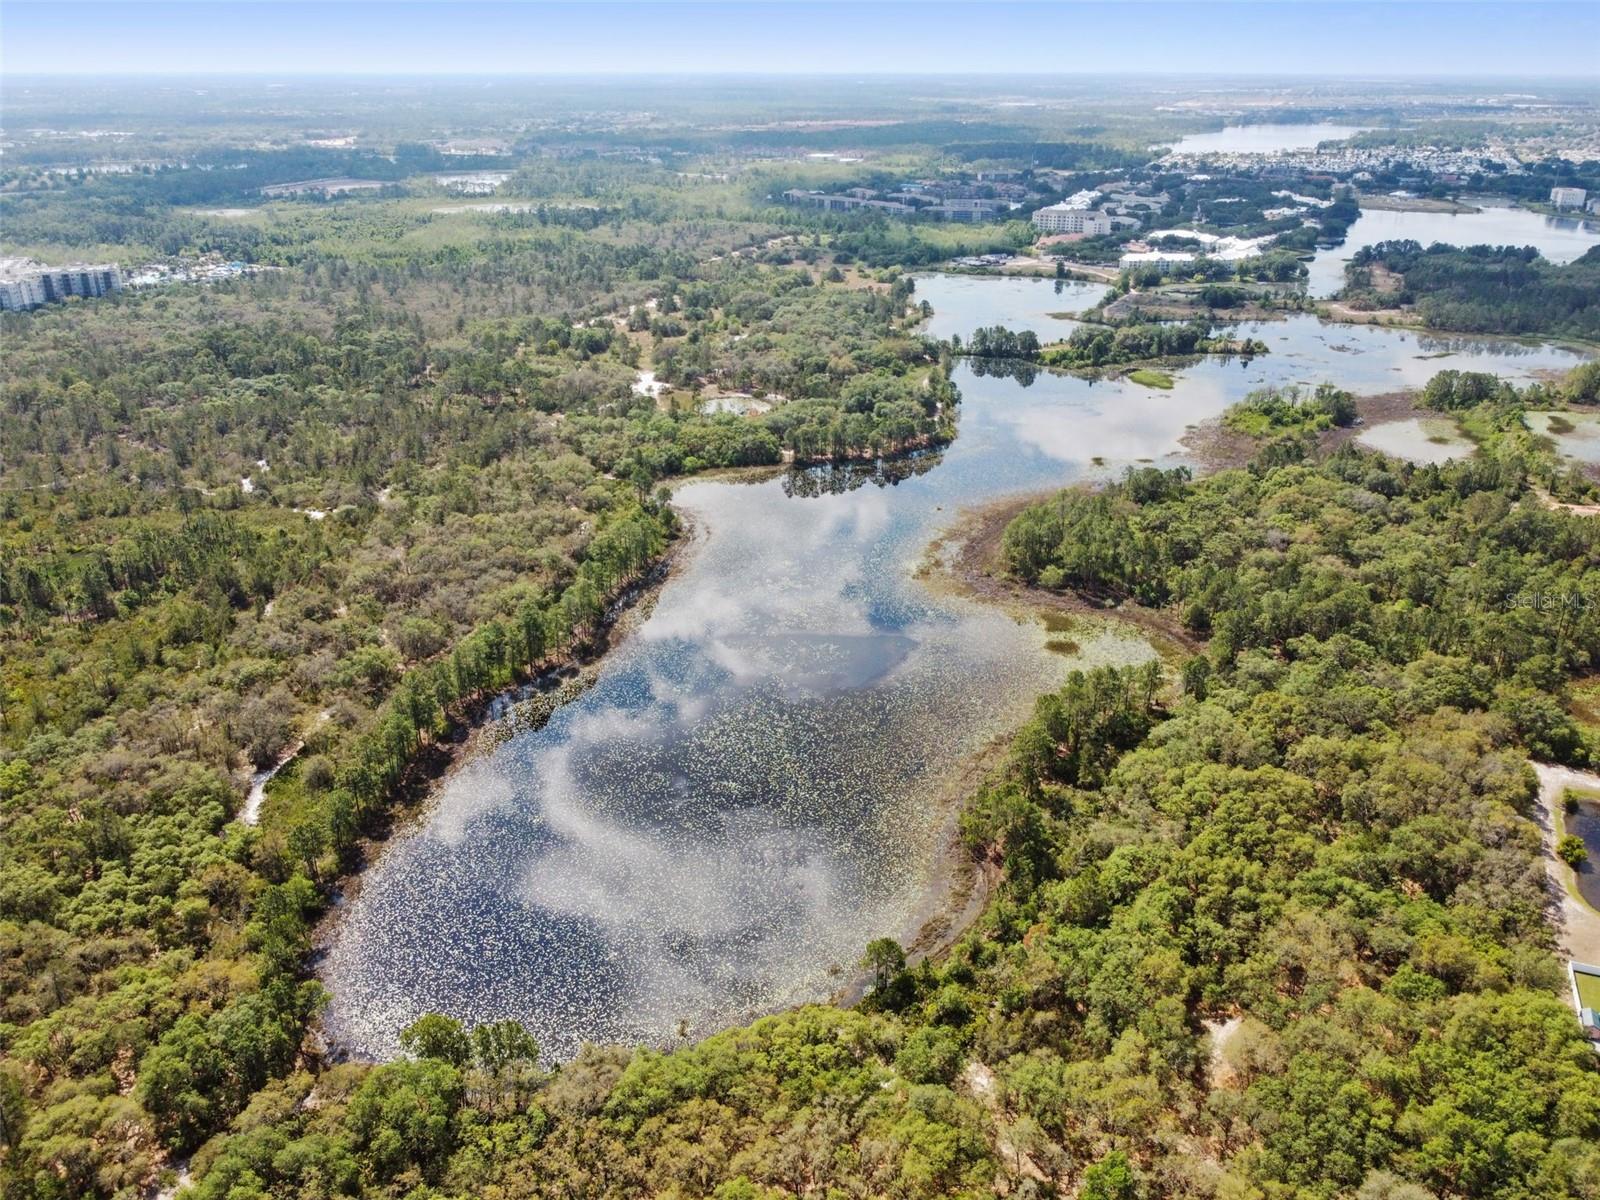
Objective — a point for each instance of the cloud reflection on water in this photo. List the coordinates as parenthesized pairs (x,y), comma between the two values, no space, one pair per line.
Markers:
(742,800)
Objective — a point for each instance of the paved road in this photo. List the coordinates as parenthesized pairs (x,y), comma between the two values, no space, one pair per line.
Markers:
(1578,925)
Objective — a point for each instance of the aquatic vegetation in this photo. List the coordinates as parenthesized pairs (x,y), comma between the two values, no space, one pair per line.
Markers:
(1150,377)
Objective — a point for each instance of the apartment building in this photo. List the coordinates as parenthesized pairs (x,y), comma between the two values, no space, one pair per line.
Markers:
(1068,218)
(49,285)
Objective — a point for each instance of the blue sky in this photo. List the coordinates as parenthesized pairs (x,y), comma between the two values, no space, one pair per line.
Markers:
(1533,39)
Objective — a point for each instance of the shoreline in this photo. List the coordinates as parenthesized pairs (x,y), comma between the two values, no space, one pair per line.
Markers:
(1216,448)
(1336,312)
(959,886)
(962,562)
(490,719)
(965,560)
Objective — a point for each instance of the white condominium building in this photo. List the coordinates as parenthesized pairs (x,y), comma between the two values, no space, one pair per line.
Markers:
(1065,218)
(48,285)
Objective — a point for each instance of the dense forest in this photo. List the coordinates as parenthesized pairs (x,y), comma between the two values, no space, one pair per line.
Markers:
(1267,926)
(1347,762)
(1480,289)
(1278,935)
(327,512)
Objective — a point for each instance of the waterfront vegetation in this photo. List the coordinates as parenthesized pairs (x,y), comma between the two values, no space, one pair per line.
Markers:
(1480,289)
(1094,346)
(1291,912)
(1149,377)
(1272,411)
(1217,274)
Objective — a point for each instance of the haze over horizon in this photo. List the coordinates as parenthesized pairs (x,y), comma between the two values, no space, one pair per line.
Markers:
(1538,39)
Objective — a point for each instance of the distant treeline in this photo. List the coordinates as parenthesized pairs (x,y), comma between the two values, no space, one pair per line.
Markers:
(906,133)
(213,176)
(1067,156)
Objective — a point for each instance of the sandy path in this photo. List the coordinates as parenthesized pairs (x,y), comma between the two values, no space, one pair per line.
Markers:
(1577,510)
(1024,264)
(982,1084)
(1222,1032)
(1578,925)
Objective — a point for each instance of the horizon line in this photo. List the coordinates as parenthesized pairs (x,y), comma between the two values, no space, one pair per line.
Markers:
(1463,75)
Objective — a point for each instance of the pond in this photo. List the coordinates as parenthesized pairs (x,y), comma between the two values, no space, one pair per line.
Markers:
(1584,822)
(1576,435)
(1420,439)
(1264,139)
(756,785)
(1560,239)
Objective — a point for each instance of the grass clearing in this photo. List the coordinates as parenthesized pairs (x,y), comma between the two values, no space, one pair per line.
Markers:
(1588,988)
(1151,378)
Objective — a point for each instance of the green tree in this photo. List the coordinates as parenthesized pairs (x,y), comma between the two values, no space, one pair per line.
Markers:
(1111,1178)
(404,1116)
(886,959)
(436,1036)
(1572,851)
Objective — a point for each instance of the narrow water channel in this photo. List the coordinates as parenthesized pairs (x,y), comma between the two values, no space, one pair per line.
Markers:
(749,792)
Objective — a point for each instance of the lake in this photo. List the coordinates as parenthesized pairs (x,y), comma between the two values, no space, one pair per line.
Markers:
(757,783)
(1264,139)
(967,302)
(1560,239)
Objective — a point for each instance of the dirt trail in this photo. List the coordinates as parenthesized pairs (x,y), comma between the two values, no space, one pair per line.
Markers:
(1578,925)
(1554,505)
(1222,1032)
(982,1084)
(1024,265)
